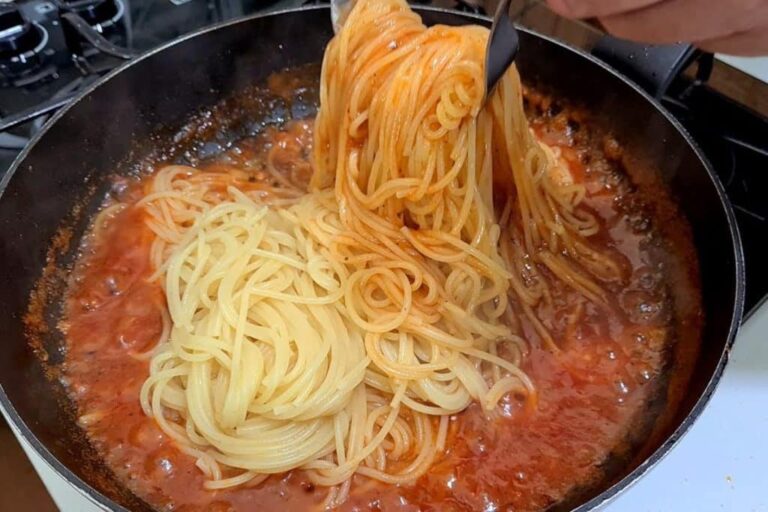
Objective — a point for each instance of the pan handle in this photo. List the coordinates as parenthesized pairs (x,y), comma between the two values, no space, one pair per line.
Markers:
(652,67)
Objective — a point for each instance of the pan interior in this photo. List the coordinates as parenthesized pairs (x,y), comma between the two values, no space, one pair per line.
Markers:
(150,101)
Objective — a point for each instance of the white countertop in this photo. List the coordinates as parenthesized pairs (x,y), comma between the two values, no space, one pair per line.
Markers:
(721,465)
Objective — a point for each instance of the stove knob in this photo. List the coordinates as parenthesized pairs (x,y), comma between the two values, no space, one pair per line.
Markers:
(96,12)
(19,39)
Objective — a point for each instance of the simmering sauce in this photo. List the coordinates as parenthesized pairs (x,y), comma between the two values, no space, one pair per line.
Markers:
(592,397)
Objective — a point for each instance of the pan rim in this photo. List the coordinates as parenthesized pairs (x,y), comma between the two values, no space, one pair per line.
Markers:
(96,497)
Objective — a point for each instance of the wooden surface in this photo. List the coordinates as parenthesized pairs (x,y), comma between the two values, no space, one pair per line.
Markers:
(740,86)
(20,488)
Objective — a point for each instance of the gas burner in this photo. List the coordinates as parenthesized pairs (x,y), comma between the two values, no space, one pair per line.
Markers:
(100,14)
(21,43)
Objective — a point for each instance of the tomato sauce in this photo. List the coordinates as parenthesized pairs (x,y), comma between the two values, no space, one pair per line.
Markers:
(590,395)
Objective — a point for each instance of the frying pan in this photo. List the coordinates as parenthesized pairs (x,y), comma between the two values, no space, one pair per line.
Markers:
(58,181)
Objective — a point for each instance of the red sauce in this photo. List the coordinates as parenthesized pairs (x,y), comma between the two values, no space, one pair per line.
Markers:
(589,395)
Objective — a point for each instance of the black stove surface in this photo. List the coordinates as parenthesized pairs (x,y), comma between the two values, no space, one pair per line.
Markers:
(36,66)
(737,146)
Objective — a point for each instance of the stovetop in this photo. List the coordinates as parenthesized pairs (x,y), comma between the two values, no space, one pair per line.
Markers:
(37,67)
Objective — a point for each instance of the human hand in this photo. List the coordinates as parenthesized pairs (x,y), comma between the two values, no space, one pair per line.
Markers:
(738,27)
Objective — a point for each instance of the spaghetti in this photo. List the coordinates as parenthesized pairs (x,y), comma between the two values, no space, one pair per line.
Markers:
(336,331)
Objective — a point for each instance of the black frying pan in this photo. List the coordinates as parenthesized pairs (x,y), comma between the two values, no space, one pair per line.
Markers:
(62,175)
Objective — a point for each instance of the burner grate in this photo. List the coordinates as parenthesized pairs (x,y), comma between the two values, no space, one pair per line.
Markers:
(733,139)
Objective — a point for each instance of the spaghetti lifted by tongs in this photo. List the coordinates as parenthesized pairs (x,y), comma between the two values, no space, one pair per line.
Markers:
(336,331)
